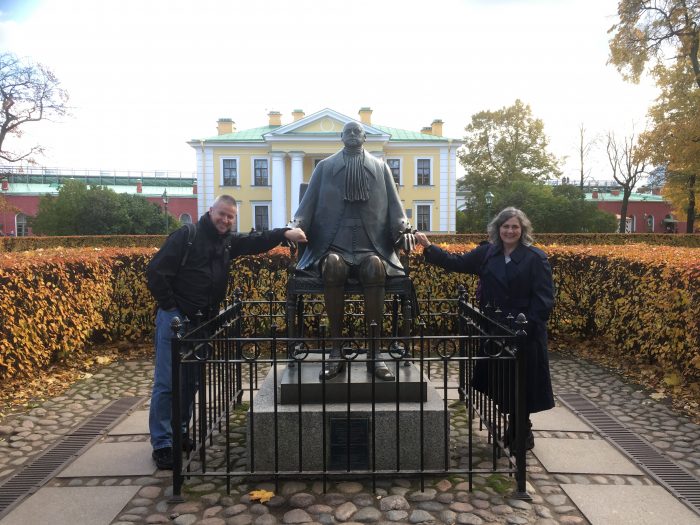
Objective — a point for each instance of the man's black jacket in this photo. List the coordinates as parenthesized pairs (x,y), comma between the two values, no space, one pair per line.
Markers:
(200,285)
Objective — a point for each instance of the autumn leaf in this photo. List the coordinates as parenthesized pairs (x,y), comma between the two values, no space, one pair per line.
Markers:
(262,495)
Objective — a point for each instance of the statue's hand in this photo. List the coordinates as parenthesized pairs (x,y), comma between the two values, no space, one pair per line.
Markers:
(408,242)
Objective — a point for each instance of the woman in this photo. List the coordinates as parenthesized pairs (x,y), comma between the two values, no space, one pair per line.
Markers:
(515,277)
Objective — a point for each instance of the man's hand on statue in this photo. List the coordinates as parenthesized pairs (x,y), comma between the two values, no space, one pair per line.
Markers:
(422,239)
(295,235)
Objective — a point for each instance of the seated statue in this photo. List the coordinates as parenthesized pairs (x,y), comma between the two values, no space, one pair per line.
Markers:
(353,220)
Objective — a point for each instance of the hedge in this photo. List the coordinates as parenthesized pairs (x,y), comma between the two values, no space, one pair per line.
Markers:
(19,244)
(690,240)
(644,300)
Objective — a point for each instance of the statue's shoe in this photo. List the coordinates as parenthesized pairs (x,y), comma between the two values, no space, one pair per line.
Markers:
(381,371)
(331,370)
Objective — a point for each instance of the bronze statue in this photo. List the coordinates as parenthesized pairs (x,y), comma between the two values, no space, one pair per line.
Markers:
(353,219)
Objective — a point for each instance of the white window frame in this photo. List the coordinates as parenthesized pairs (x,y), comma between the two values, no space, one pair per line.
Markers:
(238,171)
(415,172)
(256,204)
(252,172)
(21,218)
(430,205)
(400,159)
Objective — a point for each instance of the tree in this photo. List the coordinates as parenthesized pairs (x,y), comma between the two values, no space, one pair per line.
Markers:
(628,164)
(30,93)
(505,146)
(674,140)
(653,30)
(502,148)
(584,150)
(559,209)
(82,210)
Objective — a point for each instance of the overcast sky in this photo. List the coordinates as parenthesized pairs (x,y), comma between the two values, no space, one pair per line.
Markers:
(145,76)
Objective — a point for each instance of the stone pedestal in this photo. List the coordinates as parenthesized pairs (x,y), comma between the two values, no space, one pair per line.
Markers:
(388,438)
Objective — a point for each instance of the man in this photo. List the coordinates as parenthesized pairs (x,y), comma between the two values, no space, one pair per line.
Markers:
(354,219)
(187,276)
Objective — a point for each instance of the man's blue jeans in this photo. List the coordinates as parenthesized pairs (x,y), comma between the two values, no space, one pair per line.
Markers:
(161,398)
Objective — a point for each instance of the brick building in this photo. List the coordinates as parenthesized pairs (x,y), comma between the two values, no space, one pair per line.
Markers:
(23,186)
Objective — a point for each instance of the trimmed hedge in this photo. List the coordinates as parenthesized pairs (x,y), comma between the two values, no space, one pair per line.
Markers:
(644,300)
(20,244)
(690,240)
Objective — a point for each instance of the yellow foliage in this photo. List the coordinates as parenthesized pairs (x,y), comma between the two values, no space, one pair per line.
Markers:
(262,495)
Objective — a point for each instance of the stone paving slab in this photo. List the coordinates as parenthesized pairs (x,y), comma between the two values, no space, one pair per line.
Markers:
(112,459)
(582,456)
(136,423)
(71,506)
(560,419)
(629,505)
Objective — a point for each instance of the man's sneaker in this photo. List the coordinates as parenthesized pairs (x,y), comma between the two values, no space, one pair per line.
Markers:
(163,458)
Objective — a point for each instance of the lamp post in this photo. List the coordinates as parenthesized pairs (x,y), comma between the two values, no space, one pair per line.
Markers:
(166,199)
(489,202)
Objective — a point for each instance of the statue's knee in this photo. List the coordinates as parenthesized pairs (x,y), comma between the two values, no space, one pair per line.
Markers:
(372,272)
(334,270)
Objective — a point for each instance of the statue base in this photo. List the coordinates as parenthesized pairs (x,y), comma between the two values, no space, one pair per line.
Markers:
(372,427)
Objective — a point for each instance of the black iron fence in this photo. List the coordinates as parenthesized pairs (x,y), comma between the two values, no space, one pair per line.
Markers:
(260,410)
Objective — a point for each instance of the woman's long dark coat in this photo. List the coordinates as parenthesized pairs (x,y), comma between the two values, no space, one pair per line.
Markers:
(523,285)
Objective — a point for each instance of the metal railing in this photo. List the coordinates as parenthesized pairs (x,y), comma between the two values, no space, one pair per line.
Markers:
(261,411)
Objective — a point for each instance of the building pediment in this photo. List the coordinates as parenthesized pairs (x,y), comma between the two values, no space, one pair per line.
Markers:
(324,123)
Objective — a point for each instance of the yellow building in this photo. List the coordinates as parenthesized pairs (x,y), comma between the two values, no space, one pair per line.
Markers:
(263,168)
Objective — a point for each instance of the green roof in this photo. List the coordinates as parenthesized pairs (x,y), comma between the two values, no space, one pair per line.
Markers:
(256,135)
(634,197)
(406,135)
(245,135)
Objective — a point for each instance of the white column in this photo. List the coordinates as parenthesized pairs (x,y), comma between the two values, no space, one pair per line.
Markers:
(279,191)
(297,178)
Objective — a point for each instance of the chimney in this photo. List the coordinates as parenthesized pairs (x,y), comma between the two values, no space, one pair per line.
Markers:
(225,125)
(194,188)
(615,192)
(366,115)
(436,126)
(594,195)
(5,185)
(139,187)
(275,118)
(426,130)
(298,114)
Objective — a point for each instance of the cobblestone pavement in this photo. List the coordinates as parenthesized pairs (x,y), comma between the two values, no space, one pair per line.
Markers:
(23,436)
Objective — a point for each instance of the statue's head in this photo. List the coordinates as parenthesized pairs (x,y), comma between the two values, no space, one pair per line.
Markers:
(353,135)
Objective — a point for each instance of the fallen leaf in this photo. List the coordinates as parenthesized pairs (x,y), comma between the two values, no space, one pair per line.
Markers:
(262,495)
(672,379)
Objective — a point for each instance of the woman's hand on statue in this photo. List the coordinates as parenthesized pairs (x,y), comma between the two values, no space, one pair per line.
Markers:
(422,239)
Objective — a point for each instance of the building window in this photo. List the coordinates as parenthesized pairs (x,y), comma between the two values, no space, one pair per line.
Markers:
(229,172)
(260,172)
(650,223)
(185,218)
(261,217)
(423,217)
(423,171)
(21,225)
(395,167)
